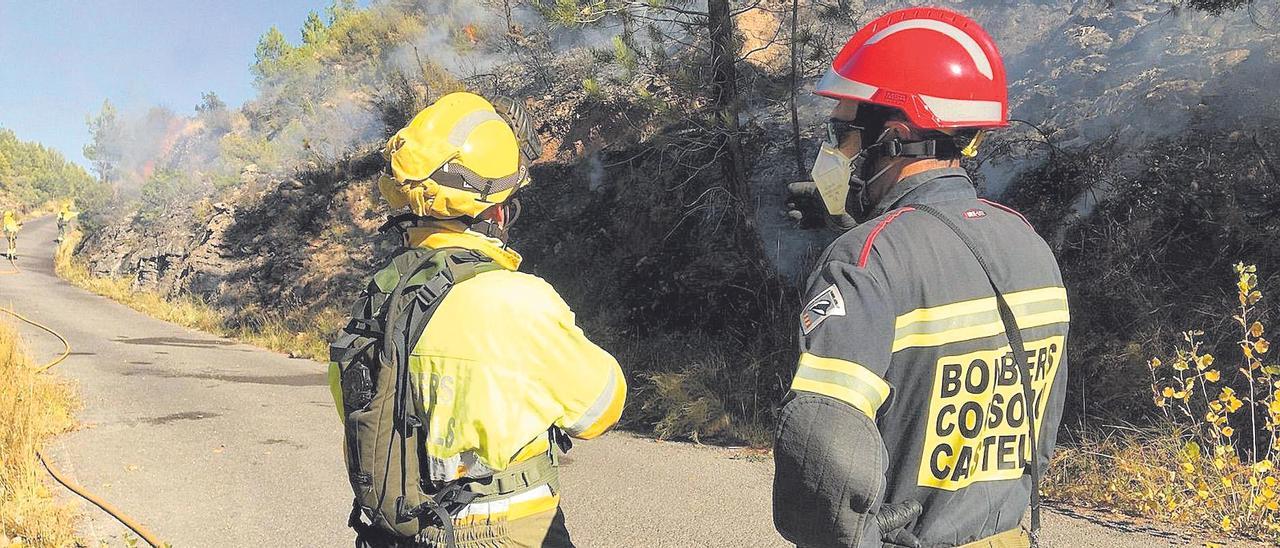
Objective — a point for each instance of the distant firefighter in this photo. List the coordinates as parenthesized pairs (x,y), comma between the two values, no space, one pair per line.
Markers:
(11,227)
(932,362)
(66,214)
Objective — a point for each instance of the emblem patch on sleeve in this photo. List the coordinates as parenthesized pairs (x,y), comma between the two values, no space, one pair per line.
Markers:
(827,304)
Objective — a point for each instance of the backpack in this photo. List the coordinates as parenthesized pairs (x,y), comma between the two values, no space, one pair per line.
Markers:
(384,423)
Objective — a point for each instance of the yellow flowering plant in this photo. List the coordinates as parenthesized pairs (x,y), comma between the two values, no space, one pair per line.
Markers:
(1213,462)
(1233,485)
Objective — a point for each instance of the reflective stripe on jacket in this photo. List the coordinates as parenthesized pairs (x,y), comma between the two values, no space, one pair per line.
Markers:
(901,324)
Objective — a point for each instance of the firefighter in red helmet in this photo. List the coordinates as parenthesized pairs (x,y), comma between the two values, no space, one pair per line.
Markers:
(932,364)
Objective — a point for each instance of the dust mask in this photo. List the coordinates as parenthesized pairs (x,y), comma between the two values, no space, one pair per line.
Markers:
(836,175)
(831,173)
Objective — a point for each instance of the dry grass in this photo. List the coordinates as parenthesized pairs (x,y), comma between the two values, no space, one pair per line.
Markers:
(271,333)
(1163,473)
(695,391)
(33,407)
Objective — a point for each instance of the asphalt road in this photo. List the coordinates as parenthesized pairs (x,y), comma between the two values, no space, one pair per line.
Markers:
(214,443)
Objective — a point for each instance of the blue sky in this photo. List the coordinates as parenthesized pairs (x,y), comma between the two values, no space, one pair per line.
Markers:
(60,59)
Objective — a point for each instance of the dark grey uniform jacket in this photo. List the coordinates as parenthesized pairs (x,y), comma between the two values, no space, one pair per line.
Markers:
(901,324)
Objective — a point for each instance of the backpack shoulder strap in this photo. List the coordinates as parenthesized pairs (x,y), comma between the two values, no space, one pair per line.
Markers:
(1016,345)
(457,265)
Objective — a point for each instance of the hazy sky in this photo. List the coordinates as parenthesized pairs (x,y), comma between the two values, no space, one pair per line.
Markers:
(60,59)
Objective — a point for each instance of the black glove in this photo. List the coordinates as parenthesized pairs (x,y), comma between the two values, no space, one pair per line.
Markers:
(804,205)
(893,520)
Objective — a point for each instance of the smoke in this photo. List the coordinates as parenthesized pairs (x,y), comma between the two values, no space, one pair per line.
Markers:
(595,172)
(147,140)
(314,105)
(1124,75)
(470,39)
(461,37)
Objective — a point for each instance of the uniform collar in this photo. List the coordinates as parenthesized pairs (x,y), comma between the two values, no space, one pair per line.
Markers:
(440,234)
(935,185)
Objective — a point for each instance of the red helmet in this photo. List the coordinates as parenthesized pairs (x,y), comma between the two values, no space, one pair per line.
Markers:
(937,66)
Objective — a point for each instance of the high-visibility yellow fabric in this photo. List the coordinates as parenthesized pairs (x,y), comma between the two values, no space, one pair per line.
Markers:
(438,234)
(11,222)
(502,360)
(462,129)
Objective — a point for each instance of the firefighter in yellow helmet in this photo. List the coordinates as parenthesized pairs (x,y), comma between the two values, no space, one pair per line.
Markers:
(11,227)
(66,214)
(459,378)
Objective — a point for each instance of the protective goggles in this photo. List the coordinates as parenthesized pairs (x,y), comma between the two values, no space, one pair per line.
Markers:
(838,130)
(456,176)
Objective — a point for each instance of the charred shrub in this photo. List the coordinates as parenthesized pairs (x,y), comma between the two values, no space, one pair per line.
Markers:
(1150,251)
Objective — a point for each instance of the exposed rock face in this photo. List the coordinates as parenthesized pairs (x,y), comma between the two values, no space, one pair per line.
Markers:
(293,247)
(171,258)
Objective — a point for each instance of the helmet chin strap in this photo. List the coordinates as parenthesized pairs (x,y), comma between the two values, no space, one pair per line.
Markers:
(868,154)
(864,195)
(497,224)
(893,149)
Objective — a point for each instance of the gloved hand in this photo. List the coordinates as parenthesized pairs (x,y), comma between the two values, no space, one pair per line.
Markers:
(893,520)
(804,205)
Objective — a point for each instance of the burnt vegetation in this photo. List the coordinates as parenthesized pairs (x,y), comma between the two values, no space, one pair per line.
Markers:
(1152,255)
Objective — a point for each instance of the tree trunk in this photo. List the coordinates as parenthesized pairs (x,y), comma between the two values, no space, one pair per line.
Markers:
(795,84)
(724,101)
(628,28)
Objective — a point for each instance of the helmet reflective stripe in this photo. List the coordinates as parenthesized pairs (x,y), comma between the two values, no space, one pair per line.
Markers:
(461,130)
(832,82)
(967,42)
(962,110)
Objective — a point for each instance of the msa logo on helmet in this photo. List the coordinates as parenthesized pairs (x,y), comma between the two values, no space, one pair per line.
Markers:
(895,97)
(827,304)
(974,214)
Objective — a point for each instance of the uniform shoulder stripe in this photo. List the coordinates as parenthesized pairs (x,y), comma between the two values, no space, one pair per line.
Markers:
(871,238)
(843,380)
(979,318)
(1008,209)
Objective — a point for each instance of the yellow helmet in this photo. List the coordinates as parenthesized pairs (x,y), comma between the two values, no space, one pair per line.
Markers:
(458,157)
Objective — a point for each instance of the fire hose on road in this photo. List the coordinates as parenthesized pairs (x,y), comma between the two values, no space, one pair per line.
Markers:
(57,474)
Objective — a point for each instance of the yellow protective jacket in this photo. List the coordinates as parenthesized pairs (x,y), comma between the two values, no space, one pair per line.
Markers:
(501,361)
(11,223)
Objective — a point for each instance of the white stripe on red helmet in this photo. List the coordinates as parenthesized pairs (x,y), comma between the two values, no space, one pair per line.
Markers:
(962,110)
(967,42)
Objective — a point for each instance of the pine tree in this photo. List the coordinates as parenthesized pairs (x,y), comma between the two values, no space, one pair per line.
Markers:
(106,149)
(314,30)
(272,49)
